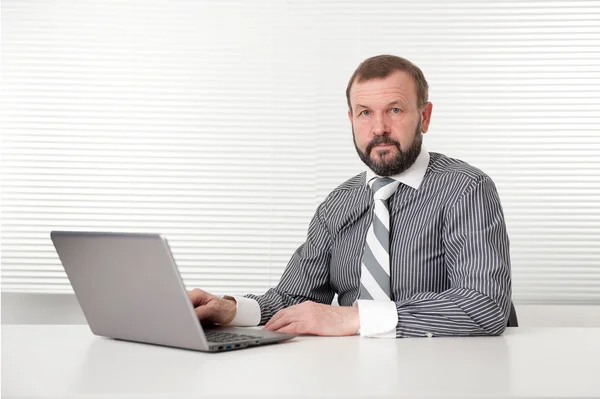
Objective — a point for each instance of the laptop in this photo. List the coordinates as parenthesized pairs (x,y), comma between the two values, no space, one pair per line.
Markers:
(129,288)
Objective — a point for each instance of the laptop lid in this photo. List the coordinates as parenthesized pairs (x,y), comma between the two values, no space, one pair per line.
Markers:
(129,287)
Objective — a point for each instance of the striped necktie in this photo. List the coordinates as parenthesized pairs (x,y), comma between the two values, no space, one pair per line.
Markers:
(375,267)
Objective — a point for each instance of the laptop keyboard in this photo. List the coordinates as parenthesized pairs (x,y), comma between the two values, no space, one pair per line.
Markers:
(219,336)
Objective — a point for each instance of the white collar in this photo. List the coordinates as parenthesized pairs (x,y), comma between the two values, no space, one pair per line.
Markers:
(412,176)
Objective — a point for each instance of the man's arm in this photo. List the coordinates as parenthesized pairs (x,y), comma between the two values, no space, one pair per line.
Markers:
(478,261)
(306,277)
(305,283)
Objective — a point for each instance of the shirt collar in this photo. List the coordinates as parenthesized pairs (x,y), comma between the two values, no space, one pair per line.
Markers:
(412,176)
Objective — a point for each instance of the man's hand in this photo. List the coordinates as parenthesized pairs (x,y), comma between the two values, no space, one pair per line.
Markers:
(212,309)
(316,319)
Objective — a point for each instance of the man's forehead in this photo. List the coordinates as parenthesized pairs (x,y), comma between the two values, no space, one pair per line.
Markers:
(380,92)
(397,84)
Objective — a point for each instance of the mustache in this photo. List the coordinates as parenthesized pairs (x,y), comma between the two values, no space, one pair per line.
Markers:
(378,140)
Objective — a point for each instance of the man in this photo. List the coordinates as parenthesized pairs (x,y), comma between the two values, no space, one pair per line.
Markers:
(415,246)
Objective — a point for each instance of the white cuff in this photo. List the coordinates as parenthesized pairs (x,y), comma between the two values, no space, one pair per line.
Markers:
(378,319)
(247,312)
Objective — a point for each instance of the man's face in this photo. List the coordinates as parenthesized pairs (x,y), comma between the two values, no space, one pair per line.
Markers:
(387,124)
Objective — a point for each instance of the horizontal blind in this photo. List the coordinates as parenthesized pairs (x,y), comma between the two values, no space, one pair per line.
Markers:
(223,124)
(166,117)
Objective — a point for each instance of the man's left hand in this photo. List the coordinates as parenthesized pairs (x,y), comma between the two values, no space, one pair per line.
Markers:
(316,319)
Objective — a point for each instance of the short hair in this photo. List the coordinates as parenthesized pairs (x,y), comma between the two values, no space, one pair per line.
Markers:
(382,66)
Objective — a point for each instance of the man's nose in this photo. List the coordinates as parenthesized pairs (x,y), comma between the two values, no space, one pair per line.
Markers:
(381,125)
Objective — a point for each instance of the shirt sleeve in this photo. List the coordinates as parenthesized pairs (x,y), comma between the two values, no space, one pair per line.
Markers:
(247,312)
(306,277)
(477,258)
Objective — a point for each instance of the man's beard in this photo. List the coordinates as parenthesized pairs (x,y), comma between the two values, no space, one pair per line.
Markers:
(403,159)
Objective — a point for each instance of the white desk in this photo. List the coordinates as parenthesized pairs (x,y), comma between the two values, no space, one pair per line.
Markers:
(70,362)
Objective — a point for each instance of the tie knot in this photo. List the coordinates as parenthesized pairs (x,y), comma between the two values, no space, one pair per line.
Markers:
(383,187)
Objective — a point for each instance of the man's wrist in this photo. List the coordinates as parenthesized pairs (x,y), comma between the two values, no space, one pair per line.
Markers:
(352,319)
(230,308)
(246,313)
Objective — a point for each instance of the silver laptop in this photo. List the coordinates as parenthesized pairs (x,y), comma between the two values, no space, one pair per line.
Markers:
(129,288)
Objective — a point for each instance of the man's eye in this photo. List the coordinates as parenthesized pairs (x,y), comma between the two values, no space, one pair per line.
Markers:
(364,113)
(396,110)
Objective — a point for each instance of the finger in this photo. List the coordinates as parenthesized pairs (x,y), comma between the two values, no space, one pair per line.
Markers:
(281,322)
(283,312)
(199,297)
(277,316)
(204,312)
(194,296)
(298,327)
(210,313)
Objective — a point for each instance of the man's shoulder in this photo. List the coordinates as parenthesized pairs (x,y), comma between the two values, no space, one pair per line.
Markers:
(353,183)
(443,166)
(345,202)
(348,191)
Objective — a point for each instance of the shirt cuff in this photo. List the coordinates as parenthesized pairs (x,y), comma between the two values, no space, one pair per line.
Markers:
(247,312)
(378,319)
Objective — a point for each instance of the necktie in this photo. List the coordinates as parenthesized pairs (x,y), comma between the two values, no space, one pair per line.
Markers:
(375,266)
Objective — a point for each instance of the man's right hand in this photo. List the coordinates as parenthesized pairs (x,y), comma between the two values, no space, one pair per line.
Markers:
(212,309)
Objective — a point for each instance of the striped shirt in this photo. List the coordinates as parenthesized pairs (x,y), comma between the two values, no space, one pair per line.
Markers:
(449,253)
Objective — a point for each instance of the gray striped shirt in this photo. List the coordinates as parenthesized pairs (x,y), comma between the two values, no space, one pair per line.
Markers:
(449,253)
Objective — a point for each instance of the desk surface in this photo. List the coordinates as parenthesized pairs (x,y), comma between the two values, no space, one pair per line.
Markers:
(69,362)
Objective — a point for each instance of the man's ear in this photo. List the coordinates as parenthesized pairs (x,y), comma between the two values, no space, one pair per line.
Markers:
(350,116)
(426,116)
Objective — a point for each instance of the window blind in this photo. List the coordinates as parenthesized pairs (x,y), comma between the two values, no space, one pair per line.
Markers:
(185,119)
(222,124)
